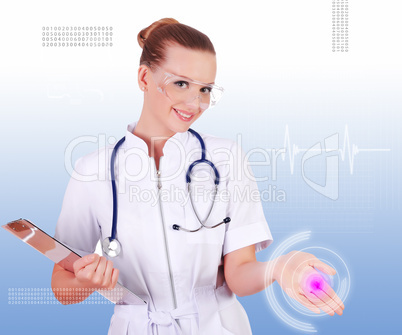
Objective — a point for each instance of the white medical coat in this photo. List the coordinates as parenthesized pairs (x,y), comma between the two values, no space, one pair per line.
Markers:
(166,265)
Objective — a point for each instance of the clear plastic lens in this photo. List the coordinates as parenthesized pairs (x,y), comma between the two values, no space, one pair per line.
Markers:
(185,90)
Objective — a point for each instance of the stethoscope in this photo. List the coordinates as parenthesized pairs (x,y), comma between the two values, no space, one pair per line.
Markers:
(111,246)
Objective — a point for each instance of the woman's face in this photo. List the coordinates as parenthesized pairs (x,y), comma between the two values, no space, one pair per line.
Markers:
(164,111)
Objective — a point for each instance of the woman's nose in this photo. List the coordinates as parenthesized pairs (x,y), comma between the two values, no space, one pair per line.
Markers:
(194,101)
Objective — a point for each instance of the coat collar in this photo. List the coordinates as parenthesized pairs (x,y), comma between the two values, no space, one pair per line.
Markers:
(175,150)
(175,144)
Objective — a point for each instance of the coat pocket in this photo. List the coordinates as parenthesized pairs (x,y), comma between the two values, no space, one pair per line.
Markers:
(208,312)
(129,320)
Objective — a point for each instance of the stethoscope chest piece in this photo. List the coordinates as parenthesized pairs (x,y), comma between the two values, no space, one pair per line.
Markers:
(111,247)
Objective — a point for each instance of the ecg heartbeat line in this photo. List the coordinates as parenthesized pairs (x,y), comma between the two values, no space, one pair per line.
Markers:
(352,150)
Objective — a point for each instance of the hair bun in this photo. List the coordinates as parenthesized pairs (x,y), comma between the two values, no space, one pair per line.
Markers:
(144,33)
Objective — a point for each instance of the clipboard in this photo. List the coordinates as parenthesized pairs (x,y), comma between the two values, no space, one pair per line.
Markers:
(62,255)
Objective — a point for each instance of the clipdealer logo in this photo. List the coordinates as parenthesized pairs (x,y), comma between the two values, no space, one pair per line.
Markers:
(237,164)
(330,189)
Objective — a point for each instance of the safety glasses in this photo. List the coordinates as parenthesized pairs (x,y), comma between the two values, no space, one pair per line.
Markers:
(185,90)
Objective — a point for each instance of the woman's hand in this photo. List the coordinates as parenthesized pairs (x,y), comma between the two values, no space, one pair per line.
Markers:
(296,273)
(95,272)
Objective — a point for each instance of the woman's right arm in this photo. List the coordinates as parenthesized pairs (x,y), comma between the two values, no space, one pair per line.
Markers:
(91,272)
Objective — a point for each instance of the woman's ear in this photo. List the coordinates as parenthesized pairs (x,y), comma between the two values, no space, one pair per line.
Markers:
(143,75)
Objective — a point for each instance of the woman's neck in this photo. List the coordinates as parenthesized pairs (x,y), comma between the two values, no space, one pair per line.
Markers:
(155,137)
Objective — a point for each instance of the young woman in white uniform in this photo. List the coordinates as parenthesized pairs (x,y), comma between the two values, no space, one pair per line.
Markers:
(189,279)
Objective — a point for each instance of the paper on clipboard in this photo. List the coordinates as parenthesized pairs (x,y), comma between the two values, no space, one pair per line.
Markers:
(60,254)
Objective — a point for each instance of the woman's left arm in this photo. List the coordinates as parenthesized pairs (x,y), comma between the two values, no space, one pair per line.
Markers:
(295,272)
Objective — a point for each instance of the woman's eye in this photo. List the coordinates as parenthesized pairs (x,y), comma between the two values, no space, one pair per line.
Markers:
(181,84)
(206,90)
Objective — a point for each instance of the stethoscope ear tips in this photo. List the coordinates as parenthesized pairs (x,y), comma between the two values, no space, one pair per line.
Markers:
(177,227)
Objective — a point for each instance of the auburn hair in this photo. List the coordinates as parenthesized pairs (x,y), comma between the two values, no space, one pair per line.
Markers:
(154,39)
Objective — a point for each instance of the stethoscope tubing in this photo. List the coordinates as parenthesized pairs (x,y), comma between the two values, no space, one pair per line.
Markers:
(114,191)
(111,246)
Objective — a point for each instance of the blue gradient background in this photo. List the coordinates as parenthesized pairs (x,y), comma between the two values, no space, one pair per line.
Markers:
(276,64)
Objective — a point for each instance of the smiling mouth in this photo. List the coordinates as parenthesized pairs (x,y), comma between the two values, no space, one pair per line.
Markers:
(183,115)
